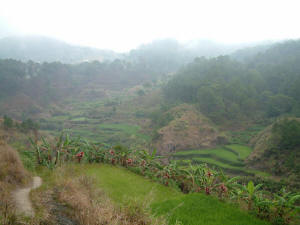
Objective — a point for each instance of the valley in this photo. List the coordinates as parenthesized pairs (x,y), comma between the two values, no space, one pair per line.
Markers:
(205,140)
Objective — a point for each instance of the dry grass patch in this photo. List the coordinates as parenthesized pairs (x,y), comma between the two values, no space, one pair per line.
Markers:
(12,170)
(12,174)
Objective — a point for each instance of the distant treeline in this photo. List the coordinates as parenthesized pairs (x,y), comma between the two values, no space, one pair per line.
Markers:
(266,85)
(24,126)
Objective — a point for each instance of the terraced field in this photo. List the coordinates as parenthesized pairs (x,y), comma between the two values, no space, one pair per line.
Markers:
(230,158)
(101,121)
(110,133)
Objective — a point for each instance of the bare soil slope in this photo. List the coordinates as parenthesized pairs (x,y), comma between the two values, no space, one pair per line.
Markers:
(188,130)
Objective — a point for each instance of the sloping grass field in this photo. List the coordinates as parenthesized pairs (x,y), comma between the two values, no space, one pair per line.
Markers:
(123,185)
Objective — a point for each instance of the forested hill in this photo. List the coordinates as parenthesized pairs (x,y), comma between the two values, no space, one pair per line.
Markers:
(31,84)
(266,85)
(44,49)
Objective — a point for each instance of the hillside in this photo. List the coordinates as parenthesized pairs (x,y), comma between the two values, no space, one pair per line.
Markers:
(41,85)
(227,90)
(276,149)
(149,112)
(188,129)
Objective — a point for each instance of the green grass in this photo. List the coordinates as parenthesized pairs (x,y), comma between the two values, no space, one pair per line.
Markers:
(242,150)
(121,184)
(126,128)
(218,152)
(217,163)
(199,209)
(194,209)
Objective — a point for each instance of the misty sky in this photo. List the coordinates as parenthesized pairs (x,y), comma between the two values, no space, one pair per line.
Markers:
(124,24)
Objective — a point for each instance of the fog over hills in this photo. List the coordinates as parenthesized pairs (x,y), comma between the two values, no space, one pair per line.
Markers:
(40,49)
(170,53)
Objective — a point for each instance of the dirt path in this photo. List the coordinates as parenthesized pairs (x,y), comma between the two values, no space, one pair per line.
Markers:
(21,196)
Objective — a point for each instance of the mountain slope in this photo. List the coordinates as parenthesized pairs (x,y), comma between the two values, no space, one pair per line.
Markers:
(277,149)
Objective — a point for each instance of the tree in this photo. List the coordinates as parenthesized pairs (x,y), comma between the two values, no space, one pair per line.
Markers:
(141,92)
(28,125)
(8,122)
(287,134)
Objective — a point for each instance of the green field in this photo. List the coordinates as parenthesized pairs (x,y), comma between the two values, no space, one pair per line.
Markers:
(229,158)
(242,151)
(194,209)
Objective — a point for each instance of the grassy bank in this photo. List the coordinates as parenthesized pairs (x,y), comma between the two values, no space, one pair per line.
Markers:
(193,209)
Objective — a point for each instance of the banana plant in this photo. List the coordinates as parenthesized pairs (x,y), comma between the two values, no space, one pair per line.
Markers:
(285,206)
(196,174)
(262,206)
(237,194)
(149,159)
(250,193)
(122,153)
(226,185)
(37,150)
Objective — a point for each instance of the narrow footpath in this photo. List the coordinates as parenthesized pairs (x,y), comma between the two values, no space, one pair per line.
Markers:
(21,196)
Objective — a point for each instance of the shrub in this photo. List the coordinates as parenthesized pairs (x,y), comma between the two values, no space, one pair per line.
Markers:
(287,133)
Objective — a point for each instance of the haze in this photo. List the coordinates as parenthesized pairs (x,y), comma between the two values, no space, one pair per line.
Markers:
(123,25)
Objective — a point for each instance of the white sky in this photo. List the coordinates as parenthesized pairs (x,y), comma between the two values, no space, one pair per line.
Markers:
(124,24)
